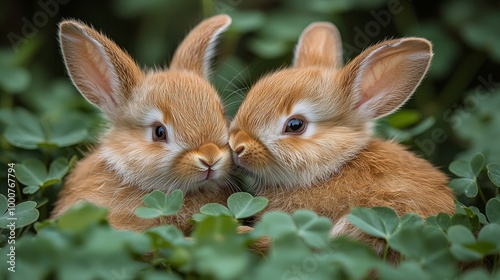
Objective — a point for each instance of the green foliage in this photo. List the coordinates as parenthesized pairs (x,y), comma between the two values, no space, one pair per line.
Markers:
(468,171)
(159,204)
(25,131)
(452,120)
(22,215)
(33,174)
(494,173)
(241,205)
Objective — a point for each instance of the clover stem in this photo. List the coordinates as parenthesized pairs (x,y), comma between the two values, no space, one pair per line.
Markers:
(481,194)
(386,251)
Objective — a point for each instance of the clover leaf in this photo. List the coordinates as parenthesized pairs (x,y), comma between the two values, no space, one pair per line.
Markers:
(468,172)
(21,215)
(24,130)
(494,173)
(160,204)
(379,221)
(34,175)
(493,210)
(244,205)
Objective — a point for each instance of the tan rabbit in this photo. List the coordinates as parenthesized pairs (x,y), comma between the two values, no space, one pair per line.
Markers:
(305,133)
(167,128)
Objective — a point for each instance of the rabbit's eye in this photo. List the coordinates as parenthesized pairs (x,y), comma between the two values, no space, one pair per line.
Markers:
(159,133)
(295,125)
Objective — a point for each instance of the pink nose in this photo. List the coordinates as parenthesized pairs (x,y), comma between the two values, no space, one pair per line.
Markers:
(240,149)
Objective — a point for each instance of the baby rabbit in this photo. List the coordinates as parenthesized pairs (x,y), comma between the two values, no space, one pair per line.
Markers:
(167,128)
(305,133)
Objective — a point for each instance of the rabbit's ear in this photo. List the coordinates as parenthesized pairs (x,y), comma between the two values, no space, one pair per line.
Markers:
(196,50)
(102,72)
(319,45)
(384,76)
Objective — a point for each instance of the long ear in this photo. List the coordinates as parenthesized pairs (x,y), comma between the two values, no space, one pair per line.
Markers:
(102,72)
(195,52)
(319,45)
(384,76)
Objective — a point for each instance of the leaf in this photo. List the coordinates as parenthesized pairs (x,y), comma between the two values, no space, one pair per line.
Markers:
(221,253)
(81,216)
(490,233)
(289,255)
(356,258)
(475,274)
(68,131)
(30,189)
(215,229)
(247,21)
(421,243)
(461,168)
(443,220)
(493,210)
(461,219)
(494,173)
(465,186)
(379,222)
(58,168)
(147,213)
(268,48)
(24,214)
(3,204)
(14,79)
(410,220)
(275,225)
(26,131)
(480,216)
(314,230)
(166,236)
(477,164)
(459,236)
(244,205)
(215,209)
(199,217)
(404,118)
(159,204)
(31,172)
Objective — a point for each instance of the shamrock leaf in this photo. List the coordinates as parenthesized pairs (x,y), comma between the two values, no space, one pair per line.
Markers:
(21,215)
(379,221)
(159,204)
(244,205)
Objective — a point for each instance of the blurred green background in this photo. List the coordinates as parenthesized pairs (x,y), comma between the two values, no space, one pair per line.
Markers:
(454,113)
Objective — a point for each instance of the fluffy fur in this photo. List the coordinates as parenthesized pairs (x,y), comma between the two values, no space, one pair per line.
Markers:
(335,164)
(129,162)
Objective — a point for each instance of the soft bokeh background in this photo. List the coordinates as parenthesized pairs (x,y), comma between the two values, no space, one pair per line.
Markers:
(46,126)
(454,112)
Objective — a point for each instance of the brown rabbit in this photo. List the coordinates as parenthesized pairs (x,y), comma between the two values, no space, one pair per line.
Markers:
(167,128)
(305,133)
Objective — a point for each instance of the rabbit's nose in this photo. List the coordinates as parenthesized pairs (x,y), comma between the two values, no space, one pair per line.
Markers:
(240,149)
(208,163)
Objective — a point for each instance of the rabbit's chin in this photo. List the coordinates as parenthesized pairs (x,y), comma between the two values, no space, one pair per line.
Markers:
(191,184)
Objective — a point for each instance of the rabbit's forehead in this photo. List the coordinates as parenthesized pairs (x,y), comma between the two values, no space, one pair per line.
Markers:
(186,103)
(180,95)
(287,93)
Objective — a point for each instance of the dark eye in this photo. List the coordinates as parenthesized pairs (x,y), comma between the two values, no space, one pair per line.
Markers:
(295,125)
(159,133)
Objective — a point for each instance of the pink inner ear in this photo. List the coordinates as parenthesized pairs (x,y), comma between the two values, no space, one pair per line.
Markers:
(378,77)
(101,71)
(92,70)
